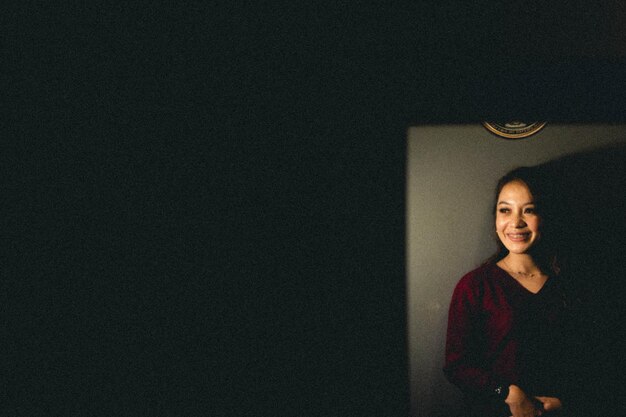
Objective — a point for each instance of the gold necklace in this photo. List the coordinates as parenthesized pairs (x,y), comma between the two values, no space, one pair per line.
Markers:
(524,274)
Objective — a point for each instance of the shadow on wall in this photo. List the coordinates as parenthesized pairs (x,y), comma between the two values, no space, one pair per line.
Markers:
(585,212)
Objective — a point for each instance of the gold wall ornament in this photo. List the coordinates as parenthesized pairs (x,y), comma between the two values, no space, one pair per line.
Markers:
(514,129)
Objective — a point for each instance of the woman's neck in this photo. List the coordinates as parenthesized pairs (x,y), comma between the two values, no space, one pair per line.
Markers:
(521,263)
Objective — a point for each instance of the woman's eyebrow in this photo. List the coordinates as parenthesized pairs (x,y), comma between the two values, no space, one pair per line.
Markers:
(524,204)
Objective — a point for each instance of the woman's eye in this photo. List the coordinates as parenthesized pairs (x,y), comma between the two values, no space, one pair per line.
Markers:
(504,210)
(529,210)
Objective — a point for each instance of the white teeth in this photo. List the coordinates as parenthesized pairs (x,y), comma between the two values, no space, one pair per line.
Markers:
(519,236)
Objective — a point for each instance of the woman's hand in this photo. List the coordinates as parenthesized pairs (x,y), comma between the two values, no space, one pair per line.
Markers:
(520,404)
(550,403)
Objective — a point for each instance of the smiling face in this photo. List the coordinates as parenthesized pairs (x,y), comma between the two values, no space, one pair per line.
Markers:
(517,223)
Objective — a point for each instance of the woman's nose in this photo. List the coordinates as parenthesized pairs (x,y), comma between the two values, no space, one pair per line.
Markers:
(519,222)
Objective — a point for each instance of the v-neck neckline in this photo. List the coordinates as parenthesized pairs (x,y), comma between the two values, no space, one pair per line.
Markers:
(519,284)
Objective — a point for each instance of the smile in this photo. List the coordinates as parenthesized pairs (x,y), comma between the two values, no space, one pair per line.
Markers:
(518,237)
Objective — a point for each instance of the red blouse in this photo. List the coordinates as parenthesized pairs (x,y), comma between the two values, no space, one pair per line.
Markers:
(499,333)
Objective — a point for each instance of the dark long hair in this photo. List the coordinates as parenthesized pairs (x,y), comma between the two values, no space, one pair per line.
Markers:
(545,251)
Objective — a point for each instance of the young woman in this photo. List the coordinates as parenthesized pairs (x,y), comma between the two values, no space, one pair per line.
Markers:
(506,348)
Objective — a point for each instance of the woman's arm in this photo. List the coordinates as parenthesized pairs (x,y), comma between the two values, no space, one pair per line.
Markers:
(464,347)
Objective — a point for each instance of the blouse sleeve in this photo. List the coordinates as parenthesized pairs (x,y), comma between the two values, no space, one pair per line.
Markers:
(466,343)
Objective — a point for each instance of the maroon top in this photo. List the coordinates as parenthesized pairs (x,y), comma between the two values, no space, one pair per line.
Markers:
(499,333)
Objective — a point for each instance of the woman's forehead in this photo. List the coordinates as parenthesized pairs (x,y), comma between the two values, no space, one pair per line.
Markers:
(515,190)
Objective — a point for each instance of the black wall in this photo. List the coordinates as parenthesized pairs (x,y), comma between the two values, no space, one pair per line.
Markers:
(205,205)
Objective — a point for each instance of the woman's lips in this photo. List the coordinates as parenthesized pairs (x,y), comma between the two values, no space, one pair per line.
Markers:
(518,237)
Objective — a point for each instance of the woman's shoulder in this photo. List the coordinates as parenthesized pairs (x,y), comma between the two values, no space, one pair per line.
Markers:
(473,286)
(480,276)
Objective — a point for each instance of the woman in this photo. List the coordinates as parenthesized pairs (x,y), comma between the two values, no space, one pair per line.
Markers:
(505,345)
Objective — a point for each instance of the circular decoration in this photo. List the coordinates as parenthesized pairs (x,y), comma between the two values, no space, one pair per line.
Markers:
(514,129)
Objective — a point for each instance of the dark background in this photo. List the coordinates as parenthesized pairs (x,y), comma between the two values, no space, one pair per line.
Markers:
(205,204)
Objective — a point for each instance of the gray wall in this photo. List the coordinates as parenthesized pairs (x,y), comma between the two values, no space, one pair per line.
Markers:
(451,173)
